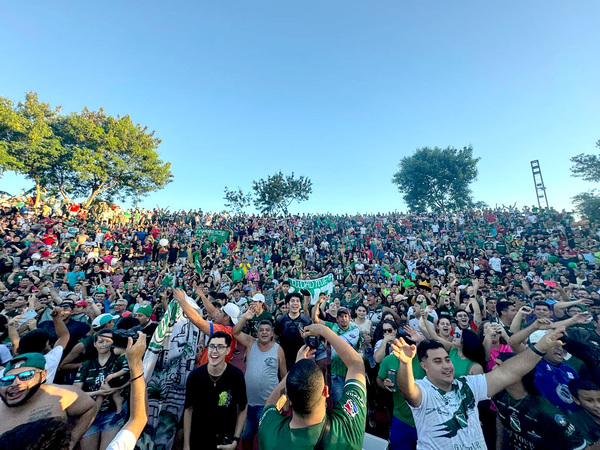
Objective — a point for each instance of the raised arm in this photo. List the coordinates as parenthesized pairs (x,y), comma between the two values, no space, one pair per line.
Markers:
(137,406)
(245,339)
(523,311)
(194,316)
(518,366)
(211,310)
(61,329)
(349,356)
(404,377)
(424,324)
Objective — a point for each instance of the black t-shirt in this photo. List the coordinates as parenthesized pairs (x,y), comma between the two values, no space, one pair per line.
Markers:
(290,339)
(77,331)
(215,408)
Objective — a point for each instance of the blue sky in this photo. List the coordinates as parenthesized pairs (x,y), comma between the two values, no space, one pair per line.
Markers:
(339,91)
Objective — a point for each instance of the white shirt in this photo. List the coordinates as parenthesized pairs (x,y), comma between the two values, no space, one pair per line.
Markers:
(53,358)
(124,440)
(441,422)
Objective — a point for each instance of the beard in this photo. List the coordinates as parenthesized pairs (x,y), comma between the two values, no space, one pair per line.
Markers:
(31,393)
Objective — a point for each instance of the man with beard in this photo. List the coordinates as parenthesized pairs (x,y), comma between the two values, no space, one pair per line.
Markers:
(26,399)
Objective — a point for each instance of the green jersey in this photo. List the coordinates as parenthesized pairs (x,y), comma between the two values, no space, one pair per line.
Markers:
(401,409)
(347,425)
(586,425)
(535,423)
(352,337)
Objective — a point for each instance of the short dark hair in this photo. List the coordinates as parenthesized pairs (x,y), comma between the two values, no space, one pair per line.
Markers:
(541,303)
(580,384)
(425,346)
(34,341)
(503,306)
(44,434)
(264,322)
(304,386)
(292,295)
(220,334)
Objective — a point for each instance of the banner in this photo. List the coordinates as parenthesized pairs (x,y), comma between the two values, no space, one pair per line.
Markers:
(315,287)
(218,236)
(167,363)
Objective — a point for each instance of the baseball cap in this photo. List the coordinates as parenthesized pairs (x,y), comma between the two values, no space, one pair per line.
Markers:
(232,310)
(343,310)
(145,310)
(67,305)
(258,298)
(102,320)
(36,360)
(81,303)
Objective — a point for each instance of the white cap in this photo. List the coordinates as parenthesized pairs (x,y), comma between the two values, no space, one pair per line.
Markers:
(258,298)
(232,310)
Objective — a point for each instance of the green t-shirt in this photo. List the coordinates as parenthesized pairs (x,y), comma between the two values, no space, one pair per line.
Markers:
(237,274)
(534,423)
(348,421)
(351,336)
(586,425)
(253,323)
(401,409)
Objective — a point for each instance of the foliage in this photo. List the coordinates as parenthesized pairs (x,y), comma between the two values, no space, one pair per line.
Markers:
(587,204)
(29,139)
(236,201)
(587,166)
(111,156)
(82,154)
(277,192)
(437,179)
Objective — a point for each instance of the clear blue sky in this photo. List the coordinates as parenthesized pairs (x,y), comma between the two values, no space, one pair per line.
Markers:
(339,91)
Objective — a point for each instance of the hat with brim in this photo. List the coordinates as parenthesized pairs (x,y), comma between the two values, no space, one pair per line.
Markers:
(102,320)
(232,310)
(258,298)
(145,310)
(36,360)
(343,310)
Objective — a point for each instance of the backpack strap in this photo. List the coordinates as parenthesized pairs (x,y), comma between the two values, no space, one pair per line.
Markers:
(320,445)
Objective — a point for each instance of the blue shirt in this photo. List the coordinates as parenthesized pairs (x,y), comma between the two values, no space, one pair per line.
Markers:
(553,383)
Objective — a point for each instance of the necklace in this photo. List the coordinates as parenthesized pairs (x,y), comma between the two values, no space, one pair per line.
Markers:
(215,380)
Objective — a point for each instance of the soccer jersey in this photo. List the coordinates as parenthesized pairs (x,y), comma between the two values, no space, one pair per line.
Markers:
(586,425)
(352,337)
(450,420)
(347,425)
(534,423)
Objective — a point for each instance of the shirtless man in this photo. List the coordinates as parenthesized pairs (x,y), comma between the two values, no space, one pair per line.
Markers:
(26,399)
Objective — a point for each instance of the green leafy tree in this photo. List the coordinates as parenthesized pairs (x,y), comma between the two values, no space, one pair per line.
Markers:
(28,140)
(437,179)
(111,156)
(587,204)
(587,166)
(236,201)
(277,192)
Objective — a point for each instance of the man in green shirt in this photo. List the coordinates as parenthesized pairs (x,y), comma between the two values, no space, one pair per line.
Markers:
(403,434)
(311,426)
(587,418)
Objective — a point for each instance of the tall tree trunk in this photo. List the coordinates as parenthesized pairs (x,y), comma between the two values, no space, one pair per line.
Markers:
(91,198)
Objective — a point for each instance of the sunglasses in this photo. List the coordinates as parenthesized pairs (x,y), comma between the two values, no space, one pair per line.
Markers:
(388,330)
(27,375)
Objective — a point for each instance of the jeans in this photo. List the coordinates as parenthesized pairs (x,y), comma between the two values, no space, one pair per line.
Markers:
(402,436)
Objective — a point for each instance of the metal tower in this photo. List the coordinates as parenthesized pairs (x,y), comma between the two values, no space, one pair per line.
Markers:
(538,181)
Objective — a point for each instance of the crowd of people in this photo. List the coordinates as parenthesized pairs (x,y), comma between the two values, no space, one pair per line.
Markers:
(152,329)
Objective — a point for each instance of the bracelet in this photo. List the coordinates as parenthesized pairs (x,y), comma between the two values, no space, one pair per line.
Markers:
(139,376)
(536,351)
(236,439)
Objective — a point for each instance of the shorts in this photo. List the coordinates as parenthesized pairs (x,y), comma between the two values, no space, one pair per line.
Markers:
(106,421)
(252,418)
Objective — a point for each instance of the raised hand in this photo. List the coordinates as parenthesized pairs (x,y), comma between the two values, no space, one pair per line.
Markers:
(404,352)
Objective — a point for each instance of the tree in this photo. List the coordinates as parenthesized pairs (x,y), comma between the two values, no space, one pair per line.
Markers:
(587,204)
(111,156)
(237,200)
(277,192)
(437,179)
(587,166)
(28,138)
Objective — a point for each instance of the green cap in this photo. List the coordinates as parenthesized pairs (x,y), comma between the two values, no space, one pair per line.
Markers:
(26,360)
(145,310)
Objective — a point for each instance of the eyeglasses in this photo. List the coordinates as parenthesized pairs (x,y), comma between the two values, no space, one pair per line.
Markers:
(27,375)
(219,348)
(388,330)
